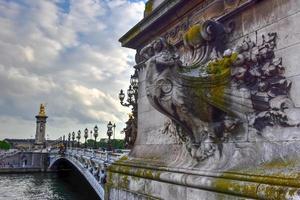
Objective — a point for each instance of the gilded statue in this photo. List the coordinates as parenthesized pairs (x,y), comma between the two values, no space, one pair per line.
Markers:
(42,111)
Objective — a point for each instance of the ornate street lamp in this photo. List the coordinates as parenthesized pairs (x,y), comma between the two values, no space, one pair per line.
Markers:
(73,138)
(86,135)
(78,138)
(69,140)
(114,126)
(132,94)
(109,134)
(134,80)
(64,141)
(121,96)
(95,136)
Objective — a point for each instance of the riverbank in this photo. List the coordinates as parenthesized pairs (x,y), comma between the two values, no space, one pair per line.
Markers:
(18,170)
(21,170)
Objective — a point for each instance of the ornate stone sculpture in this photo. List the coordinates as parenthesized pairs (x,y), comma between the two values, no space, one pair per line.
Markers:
(209,91)
(172,129)
(130,132)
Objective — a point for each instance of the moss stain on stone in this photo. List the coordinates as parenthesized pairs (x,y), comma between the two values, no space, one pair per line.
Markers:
(211,88)
(235,188)
(131,34)
(123,181)
(271,186)
(125,174)
(148,8)
(122,159)
(193,36)
(217,68)
(279,164)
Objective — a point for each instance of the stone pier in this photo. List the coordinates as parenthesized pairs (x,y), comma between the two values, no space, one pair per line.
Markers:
(218,104)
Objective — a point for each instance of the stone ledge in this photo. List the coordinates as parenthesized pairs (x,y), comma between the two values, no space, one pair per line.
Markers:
(165,11)
(252,184)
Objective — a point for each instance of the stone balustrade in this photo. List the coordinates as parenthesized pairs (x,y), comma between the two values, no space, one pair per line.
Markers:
(4,154)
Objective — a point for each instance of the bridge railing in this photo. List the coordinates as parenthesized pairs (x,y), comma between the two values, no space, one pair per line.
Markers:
(96,156)
(101,156)
(4,154)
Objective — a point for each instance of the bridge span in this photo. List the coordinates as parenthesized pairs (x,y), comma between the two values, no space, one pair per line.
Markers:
(89,163)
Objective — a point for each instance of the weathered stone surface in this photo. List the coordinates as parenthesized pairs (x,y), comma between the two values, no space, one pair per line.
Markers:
(144,106)
(291,61)
(194,194)
(288,30)
(165,190)
(295,92)
(259,157)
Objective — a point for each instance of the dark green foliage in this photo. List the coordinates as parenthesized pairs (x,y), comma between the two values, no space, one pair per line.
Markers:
(4,145)
(115,143)
(118,144)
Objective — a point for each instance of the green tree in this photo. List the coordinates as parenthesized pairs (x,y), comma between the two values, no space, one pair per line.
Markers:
(90,143)
(103,143)
(117,144)
(4,145)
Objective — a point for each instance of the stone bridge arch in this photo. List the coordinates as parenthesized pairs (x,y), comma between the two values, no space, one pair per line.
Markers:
(75,164)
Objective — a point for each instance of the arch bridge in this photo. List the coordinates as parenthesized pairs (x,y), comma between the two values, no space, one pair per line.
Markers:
(87,162)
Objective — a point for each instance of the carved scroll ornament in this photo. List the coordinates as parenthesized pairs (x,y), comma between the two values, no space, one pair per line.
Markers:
(209,91)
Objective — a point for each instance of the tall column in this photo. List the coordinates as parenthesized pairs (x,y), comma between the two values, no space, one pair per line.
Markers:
(41,120)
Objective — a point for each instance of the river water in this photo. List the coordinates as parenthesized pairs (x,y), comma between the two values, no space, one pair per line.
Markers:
(45,186)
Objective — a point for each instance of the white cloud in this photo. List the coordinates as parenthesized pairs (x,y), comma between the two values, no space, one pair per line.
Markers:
(29,54)
(66,54)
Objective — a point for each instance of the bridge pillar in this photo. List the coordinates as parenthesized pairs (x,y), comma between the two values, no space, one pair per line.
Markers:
(218,102)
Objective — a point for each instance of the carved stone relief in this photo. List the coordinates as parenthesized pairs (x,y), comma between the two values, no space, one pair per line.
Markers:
(130,132)
(174,36)
(208,9)
(209,91)
(173,130)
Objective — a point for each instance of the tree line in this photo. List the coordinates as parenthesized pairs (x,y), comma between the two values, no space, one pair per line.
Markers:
(4,145)
(103,144)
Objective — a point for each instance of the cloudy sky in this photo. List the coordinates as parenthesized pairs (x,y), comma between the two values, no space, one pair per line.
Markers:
(66,54)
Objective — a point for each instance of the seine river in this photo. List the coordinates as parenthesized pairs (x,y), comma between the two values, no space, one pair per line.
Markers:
(44,186)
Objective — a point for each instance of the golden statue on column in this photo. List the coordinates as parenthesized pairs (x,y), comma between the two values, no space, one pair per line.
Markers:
(42,110)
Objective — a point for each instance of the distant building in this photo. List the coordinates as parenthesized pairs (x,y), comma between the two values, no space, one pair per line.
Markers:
(20,143)
(40,140)
(27,144)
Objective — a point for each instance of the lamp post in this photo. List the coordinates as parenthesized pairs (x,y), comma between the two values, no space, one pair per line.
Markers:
(69,140)
(109,134)
(73,138)
(47,141)
(78,138)
(132,94)
(95,135)
(114,126)
(64,141)
(91,136)
(86,135)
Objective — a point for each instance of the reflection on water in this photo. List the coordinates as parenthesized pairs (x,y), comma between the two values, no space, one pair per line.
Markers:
(45,186)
